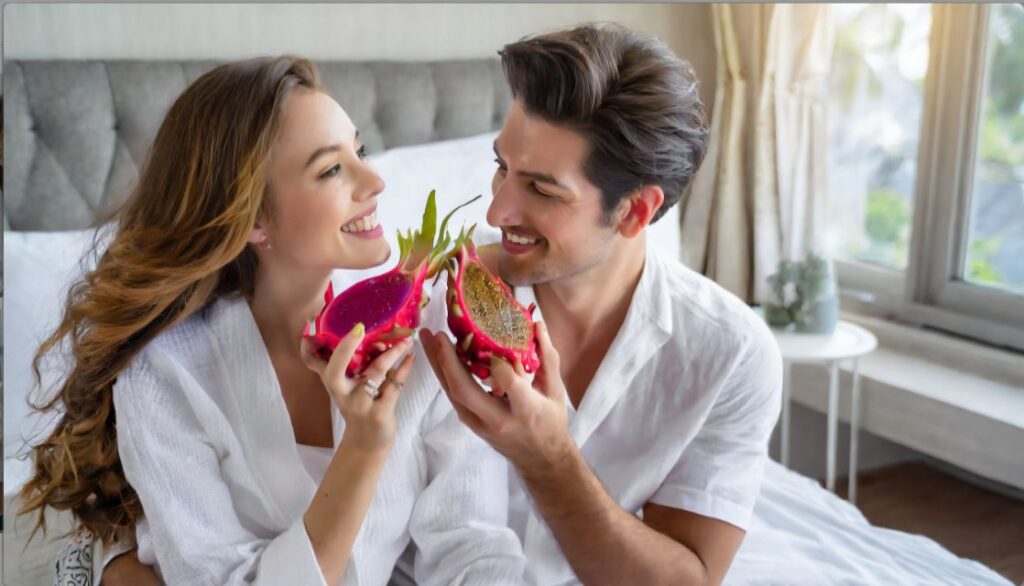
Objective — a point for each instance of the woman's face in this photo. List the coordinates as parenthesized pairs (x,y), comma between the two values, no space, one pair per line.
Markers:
(323,195)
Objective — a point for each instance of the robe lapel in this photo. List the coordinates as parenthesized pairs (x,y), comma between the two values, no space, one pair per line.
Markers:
(265,430)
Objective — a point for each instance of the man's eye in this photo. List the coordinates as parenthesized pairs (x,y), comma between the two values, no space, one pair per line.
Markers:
(533,187)
(361,153)
(500,165)
(332,172)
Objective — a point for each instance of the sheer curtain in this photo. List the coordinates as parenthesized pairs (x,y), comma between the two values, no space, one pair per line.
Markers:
(760,194)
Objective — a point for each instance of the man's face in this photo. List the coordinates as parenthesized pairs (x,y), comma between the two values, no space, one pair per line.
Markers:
(549,214)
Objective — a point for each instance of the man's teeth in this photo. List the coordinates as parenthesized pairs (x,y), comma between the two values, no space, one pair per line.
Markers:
(521,239)
(363,224)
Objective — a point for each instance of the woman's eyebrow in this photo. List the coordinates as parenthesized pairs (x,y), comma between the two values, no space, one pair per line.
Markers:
(321,152)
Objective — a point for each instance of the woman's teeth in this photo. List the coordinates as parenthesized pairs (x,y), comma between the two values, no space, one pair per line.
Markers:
(363,224)
(521,239)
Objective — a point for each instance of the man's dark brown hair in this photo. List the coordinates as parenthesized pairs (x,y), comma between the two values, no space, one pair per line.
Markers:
(627,94)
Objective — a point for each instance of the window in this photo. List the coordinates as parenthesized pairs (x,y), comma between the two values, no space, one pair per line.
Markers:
(875,93)
(995,249)
(926,165)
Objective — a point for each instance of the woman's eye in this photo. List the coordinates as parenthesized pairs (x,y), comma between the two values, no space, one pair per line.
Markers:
(361,153)
(501,167)
(332,172)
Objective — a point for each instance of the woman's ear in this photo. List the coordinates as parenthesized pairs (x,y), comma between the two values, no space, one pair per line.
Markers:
(640,208)
(259,235)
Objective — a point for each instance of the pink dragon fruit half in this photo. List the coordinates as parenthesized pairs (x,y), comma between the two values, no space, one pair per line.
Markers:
(484,315)
(387,305)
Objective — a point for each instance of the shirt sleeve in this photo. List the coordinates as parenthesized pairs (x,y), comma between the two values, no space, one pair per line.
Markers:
(460,521)
(191,526)
(719,473)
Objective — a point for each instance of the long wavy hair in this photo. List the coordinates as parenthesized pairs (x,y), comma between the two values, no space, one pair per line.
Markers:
(180,242)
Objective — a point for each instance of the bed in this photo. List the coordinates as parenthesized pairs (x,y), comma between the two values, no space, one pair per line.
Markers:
(74,133)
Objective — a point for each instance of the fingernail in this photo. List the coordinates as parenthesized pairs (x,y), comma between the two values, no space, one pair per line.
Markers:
(360,329)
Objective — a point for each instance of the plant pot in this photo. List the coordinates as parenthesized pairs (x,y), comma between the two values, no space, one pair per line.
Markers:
(820,317)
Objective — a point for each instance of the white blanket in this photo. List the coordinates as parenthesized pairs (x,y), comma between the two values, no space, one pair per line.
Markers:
(804,535)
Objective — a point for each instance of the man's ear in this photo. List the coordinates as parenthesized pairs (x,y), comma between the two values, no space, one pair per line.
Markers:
(639,208)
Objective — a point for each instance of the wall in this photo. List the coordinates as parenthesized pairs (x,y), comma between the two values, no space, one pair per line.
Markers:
(320,31)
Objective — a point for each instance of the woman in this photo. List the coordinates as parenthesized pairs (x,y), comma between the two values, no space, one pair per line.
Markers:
(192,399)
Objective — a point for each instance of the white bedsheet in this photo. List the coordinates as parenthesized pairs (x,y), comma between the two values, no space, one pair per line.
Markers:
(804,535)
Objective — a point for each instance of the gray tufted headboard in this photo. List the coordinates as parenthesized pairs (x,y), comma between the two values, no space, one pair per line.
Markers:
(76,131)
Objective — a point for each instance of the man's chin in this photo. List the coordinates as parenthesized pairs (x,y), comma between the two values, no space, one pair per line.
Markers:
(519,274)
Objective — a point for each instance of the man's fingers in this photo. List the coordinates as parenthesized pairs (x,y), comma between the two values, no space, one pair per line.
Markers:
(548,354)
(469,419)
(549,376)
(509,381)
(429,344)
(463,389)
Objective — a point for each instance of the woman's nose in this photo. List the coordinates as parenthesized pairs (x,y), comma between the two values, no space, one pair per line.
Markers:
(370,184)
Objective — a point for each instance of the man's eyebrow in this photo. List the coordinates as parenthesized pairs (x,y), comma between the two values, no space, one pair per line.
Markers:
(535,175)
(321,152)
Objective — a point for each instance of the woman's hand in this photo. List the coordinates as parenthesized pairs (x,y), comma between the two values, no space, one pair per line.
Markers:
(370,423)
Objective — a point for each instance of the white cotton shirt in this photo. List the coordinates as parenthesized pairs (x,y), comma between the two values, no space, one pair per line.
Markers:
(206,441)
(679,412)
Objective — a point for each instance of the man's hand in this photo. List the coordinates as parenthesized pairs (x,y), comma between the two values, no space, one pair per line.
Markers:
(127,570)
(527,423)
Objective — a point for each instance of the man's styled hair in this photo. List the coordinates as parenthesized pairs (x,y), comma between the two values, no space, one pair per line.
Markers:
(627,94)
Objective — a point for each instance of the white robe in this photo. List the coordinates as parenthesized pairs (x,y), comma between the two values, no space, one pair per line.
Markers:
(678,414)
(206,441)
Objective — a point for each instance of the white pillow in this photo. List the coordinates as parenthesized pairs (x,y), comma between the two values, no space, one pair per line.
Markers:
(38,269)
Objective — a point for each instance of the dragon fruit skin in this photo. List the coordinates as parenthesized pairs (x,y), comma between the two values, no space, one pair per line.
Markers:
(484,315)
(388,305)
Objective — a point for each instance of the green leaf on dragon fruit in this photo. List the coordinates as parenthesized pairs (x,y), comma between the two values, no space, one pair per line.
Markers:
(425,240)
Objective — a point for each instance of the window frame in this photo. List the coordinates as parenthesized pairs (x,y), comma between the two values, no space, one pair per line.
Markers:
(931,291)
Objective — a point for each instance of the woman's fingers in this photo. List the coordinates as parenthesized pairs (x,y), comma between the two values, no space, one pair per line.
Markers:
(341,357)
(393,383)
(309,357)
(383,363)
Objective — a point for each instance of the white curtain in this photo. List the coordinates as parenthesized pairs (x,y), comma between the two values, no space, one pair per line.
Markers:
(760,194)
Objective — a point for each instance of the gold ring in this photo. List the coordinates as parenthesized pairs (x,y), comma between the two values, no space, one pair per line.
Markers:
(389,378)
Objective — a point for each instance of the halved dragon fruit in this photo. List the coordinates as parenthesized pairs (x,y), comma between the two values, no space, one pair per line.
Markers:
(484,315)
(387,305)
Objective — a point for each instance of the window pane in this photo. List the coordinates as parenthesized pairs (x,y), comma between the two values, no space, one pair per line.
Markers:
(995,251)
(875,100)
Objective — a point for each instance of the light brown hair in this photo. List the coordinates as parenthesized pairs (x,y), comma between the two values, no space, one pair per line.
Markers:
(180,242)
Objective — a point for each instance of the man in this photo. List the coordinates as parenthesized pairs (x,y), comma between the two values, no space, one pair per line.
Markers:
(638,450)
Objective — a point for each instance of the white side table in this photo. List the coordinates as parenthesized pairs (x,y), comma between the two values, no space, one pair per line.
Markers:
(848,342)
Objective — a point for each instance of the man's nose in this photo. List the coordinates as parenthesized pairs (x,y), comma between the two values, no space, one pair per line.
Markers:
(506,206)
